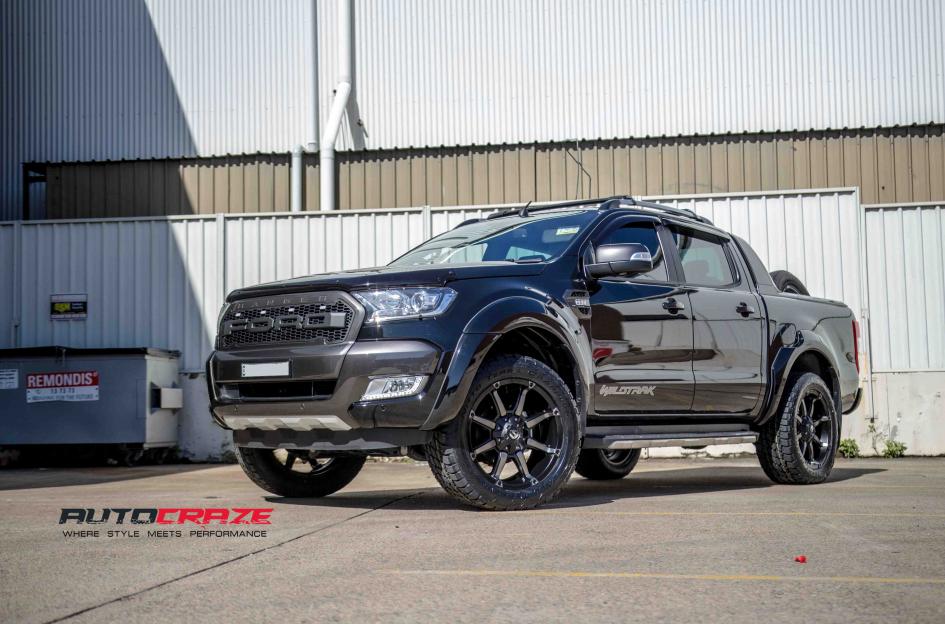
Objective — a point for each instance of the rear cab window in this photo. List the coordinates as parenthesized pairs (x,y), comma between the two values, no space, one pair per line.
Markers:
(704,259)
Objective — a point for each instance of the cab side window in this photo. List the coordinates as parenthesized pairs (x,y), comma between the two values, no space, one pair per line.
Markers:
(704,261)
(645,234)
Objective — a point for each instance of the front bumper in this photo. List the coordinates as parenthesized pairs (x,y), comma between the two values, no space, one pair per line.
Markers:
(333,379)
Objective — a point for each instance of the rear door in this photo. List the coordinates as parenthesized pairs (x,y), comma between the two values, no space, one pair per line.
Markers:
(728,338)
(641,329)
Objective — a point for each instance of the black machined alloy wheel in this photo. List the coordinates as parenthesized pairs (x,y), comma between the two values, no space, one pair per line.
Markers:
(814,425)
(298,473)
(513,433)
(604,464)
(515,443)
(799,444)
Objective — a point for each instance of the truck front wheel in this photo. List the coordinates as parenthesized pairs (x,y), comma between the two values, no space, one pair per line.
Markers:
(516,440)
(298,474)
(799,443)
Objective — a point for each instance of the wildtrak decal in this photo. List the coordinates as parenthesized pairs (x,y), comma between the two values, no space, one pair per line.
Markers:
(625,390)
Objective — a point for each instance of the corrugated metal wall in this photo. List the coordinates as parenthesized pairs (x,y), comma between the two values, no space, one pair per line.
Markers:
(149,283)
(892,165)
(171,187)
(906,271)
(492,72)
(90,80)
(95,80)
(159,282)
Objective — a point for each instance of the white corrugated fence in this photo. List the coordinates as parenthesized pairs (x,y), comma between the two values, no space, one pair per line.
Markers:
(905,244)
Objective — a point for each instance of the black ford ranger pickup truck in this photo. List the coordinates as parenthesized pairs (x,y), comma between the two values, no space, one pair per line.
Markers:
(513,350)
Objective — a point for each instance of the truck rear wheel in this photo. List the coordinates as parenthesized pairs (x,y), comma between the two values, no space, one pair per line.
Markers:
(298,474)
(602,464)
(798,445)
(514,443)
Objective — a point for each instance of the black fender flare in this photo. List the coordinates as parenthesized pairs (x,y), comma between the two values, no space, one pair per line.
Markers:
(488,325)
(783,362)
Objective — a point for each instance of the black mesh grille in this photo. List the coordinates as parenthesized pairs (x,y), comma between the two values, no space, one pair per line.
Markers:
(325,335)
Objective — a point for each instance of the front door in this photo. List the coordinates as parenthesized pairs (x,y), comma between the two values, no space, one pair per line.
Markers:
(641,331)
(727,324)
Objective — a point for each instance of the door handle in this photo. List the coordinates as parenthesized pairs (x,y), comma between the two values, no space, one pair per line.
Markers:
(673,306)
(744,309)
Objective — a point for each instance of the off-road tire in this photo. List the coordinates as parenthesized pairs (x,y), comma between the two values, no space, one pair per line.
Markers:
(602,465)
(461,477)
(779,446)
(262,467)
(788,282)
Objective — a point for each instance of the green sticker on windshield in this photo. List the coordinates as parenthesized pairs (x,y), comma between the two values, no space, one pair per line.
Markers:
(567,231)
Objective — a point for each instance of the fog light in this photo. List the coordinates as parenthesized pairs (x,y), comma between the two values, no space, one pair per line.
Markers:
(393,387)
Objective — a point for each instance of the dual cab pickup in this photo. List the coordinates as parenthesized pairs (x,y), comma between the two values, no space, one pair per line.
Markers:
(513,350)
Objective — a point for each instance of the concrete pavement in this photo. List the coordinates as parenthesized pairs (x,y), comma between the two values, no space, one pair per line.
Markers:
(678,540)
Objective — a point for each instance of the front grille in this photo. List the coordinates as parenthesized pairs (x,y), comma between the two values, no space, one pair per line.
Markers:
(315,335)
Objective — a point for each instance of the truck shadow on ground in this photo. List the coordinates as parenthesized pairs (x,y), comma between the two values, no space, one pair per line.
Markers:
(581,492)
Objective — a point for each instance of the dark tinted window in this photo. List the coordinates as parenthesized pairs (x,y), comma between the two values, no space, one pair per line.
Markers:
(703,258)
(644,234)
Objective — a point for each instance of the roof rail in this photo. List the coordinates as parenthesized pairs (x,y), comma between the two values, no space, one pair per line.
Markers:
(527,209)
(605,203)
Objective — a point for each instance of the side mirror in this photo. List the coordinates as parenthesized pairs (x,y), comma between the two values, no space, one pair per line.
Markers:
(622,259)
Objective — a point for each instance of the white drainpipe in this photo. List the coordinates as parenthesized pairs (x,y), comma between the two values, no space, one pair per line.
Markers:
(295,182)
(338,105)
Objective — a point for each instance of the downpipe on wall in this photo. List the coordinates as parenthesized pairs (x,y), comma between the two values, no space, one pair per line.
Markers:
(295,182)
(339,104)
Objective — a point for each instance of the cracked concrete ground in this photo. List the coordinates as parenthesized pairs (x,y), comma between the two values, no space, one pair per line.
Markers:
(678,540)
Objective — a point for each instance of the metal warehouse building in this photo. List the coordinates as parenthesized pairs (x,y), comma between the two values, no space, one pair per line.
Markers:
(252,141)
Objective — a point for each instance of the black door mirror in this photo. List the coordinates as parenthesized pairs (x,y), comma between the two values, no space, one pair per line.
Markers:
(622,259)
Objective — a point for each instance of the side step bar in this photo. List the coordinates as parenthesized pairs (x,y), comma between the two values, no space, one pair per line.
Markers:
(649,440)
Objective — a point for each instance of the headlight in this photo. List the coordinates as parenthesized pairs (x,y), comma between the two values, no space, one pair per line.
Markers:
(403,303)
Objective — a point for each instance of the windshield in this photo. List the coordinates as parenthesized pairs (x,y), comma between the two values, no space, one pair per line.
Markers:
(509,239)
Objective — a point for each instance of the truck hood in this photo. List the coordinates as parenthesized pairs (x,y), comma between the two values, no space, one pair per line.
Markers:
(386,277)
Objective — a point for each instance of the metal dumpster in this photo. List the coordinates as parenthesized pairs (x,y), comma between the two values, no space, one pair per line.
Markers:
(61,395)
